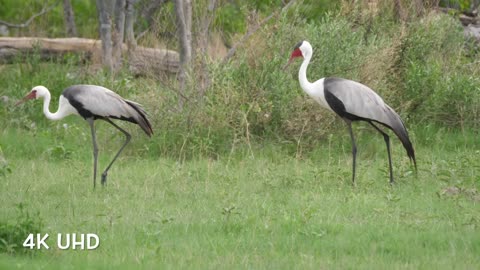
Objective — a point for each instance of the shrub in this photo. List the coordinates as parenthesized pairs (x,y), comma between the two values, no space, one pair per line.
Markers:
(12,235)
(438,77)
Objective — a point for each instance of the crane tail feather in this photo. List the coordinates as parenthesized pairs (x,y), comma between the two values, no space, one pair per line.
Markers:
(407,144)
(398,127)
(141,118)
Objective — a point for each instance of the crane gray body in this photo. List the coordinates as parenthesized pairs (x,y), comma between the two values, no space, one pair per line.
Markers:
(93,101)
(357,102)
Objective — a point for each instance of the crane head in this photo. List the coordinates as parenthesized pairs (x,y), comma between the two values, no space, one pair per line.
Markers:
(298,51)
(35,93)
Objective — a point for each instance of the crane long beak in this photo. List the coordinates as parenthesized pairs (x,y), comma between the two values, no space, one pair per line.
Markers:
(288,63)
(30,95)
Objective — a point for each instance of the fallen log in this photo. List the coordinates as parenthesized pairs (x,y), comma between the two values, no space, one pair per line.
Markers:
(466,17)
(142,61)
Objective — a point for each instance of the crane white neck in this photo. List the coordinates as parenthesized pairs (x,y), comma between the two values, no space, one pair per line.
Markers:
(315,90)
(302,74)
(46,104)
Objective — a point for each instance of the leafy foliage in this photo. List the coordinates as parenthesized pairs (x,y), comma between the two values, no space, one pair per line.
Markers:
(12,235)
(439,80)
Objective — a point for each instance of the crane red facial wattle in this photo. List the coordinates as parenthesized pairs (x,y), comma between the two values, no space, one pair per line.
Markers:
(296,53)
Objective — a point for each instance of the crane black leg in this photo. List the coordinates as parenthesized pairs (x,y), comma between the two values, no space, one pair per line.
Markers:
(95,150)
(354,148)
(387,142)
(128,137)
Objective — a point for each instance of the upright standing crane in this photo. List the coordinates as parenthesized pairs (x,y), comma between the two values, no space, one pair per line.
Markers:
(352,101)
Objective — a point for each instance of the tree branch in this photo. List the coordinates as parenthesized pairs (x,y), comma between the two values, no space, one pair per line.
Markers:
(232,50)
(44,10)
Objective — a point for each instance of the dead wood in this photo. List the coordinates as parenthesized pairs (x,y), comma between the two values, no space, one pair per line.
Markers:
(142,61)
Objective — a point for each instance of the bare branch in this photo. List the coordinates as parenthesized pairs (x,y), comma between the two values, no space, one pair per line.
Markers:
(139,36)
(232,50)
(148,10)
(44,10)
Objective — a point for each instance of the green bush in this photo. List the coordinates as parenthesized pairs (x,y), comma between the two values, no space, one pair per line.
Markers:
(439,81)
(13,234)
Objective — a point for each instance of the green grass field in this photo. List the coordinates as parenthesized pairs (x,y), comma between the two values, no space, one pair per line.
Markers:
(255,208)
(250,173)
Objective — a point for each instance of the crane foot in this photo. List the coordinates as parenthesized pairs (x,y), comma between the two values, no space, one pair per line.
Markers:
(104,178)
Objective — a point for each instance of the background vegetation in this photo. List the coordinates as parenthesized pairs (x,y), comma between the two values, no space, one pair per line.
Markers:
(252,173)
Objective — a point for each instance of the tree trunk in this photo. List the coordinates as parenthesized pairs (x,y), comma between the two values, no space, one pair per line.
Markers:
(69,18)
(105,34)
(202,42)
(129,21)
(187,9)
(183,9)
(419,8)
(398,10)
(118,33)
